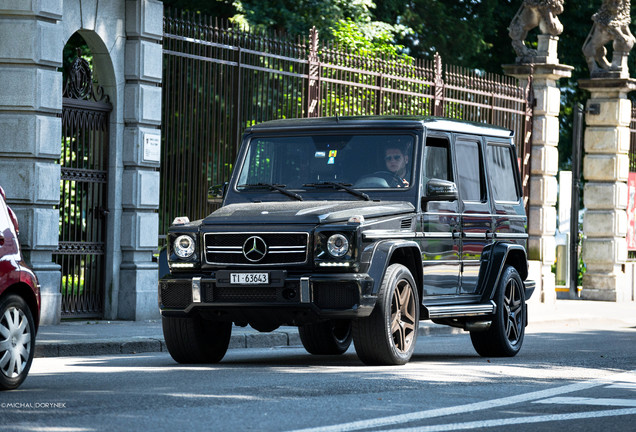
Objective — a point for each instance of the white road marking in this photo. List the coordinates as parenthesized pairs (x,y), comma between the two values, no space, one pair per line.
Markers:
(589,401)
(477,406)
(519,420)
(622,386)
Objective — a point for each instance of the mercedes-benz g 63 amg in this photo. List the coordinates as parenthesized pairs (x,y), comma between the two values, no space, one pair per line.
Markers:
(356,229)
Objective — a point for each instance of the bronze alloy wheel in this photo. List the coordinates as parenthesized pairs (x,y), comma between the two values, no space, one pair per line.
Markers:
(388,336)
(513,309)
(505,335)
(403,324)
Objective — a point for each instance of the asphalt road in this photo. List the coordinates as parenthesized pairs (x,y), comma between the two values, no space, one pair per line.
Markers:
(566,377)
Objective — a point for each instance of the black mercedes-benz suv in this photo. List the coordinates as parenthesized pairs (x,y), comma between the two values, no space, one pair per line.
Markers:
(356,228)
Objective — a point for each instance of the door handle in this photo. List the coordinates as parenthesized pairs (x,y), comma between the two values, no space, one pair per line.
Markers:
(490,235)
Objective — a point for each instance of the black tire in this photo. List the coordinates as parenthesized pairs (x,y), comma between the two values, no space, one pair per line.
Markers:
(17,341)
(327,337)
(195,340)
(388,335)
(505,335)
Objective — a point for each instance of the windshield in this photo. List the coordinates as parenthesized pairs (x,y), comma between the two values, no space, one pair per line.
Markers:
(313,161)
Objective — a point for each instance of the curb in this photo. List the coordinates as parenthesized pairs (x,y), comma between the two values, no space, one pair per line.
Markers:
(238,340)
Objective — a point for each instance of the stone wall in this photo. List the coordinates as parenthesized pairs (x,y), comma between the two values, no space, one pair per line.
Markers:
(125,39)
(30,53)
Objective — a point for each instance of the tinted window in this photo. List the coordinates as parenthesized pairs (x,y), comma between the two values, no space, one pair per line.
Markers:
(9,244)
(436,160)
(365,161)
(502,174)
(470,174)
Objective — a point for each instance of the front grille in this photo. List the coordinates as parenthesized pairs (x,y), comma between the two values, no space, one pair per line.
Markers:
(335,296)
(177,295)
(282,248)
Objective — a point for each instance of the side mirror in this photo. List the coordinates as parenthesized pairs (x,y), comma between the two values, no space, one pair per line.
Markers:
(440,190)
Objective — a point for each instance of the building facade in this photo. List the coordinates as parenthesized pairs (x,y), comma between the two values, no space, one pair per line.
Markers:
(124,38)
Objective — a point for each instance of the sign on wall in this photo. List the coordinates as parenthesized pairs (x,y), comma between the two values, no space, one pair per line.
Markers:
(152,147)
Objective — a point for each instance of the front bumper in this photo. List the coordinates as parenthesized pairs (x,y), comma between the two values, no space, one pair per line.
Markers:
(309,296)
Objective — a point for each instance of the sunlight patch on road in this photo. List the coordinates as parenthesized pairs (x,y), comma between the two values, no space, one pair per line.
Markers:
(105,365)
(204,396)
(36,428)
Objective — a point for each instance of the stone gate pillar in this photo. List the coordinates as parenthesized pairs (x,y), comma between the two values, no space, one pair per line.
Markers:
(606,168)
(544,162)
(30,130)
(141,159)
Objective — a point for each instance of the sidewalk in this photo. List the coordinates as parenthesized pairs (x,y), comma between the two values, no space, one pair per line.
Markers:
(79,338)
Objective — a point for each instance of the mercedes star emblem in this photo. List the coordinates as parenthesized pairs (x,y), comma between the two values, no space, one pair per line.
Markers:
(254,249)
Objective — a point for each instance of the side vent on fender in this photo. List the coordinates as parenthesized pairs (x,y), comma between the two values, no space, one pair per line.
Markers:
(405,224)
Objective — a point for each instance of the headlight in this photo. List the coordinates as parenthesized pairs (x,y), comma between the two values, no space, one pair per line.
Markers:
(184,246)
(337,245)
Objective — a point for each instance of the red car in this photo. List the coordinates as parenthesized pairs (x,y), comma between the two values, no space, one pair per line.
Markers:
(19,304)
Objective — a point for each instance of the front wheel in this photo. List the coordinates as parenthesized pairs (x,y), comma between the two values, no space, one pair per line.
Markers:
(327,337)
(196,340)
(17,341)
(388,335)
(505,335)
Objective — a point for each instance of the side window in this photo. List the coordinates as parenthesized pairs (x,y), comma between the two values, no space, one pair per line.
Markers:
(502,173)
(470,171)
(436,159)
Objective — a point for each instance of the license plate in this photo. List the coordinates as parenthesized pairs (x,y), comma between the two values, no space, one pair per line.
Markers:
(249,278)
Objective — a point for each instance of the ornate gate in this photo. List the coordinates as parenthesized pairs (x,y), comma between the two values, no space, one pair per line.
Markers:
(84,191)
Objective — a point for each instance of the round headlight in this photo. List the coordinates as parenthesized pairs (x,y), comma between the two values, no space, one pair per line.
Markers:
(184,246)
(337,245)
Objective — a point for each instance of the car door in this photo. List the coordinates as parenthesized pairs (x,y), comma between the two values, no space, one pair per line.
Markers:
(476,218)
(439,238)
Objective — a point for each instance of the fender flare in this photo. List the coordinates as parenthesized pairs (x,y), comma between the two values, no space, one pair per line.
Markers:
(493,261)
(383,254)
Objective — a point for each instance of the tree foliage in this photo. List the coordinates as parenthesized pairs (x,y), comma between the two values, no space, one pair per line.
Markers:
(469,33)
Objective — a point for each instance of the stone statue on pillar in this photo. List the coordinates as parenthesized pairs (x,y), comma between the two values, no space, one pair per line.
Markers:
(611,23)
(533,13)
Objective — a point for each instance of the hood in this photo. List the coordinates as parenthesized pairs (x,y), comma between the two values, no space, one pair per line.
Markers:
(304,212)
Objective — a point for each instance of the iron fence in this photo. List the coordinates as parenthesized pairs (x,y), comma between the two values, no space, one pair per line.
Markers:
(218,80)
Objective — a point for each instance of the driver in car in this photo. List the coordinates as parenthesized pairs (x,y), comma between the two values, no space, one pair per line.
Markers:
(396,161)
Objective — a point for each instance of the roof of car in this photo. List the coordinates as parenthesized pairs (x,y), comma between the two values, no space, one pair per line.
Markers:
(432,123)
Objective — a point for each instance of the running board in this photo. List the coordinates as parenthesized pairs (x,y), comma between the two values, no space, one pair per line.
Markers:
(461,310)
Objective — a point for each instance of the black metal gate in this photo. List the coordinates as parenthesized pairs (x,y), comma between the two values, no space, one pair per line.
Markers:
(84,191)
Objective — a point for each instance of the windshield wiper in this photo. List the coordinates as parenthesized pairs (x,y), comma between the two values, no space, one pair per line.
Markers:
(278,187)
(338,185)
